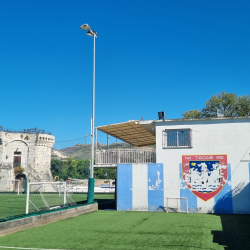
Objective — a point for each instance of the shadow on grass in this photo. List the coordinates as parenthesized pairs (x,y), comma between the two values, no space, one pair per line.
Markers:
(103,203)
(106,204)
(236,232)
(236,227)
(106,201)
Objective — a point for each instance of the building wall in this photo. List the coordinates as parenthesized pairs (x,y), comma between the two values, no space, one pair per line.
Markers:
(35,153)
(140,187)
(213,174)
(223,140)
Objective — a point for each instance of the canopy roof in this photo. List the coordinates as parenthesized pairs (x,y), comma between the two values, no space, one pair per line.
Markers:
(131,132)
(142,133)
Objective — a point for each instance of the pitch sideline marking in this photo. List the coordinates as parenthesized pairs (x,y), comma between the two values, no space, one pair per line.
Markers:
(31,248)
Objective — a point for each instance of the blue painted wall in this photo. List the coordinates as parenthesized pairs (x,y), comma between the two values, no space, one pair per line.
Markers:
(126,192)
(143,190)
(124,187)
(155,186)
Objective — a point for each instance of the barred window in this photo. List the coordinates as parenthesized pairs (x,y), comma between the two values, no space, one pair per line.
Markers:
(177,138)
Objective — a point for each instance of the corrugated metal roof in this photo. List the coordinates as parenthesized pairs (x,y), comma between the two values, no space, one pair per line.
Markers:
(142,133)
(131,132)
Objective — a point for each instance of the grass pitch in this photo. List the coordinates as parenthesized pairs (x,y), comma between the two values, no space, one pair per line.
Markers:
(13,205)
(138,230)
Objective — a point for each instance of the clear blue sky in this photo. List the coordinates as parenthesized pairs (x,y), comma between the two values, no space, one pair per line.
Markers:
(168,55)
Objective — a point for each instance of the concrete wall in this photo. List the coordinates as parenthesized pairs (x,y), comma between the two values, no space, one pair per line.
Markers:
(43,219)
(140,187)
(213,174)
(220,141)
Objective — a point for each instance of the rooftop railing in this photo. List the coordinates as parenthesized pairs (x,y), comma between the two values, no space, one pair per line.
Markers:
(26,131)
(105,157)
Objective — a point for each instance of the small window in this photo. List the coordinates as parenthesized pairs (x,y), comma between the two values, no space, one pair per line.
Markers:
(16,161)
(17,153)
(177,138)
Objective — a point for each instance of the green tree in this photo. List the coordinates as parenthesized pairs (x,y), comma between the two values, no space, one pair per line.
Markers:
(111,174)
(83,168)
(58,169)
(243,105)
(55,167)
(102,173)
(191,114)
(225,101)
(99,173)
(78,169)
(71,168)
(232,105)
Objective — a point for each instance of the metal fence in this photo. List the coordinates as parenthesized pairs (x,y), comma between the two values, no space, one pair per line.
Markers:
(124,156)
(28,131)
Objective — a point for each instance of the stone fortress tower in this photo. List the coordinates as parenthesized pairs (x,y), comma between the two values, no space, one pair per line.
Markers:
(25,153)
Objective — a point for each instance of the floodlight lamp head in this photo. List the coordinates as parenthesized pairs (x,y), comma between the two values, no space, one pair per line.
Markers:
(85,26)
(92,33)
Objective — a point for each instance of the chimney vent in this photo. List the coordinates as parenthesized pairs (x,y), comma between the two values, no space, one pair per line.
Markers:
(220,112)
(161,115)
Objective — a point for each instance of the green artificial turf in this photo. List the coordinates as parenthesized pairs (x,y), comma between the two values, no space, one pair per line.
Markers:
(138,230)
(13,205)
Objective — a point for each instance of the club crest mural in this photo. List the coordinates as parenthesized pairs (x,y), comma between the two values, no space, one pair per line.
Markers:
(205,175)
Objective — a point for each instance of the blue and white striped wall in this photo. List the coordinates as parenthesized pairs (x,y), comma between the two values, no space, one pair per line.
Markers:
(142,187)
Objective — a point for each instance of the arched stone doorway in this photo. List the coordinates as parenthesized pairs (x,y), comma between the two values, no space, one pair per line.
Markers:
(16,154)
(20,180)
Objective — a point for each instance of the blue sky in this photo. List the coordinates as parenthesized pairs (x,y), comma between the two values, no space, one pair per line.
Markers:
(165,55)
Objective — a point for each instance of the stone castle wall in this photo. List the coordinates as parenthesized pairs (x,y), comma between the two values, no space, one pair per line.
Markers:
(32,150)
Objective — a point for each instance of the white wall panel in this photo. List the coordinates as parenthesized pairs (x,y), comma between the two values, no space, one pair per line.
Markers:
(140,187)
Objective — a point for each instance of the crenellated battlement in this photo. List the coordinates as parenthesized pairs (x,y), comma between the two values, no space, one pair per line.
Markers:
(29,149)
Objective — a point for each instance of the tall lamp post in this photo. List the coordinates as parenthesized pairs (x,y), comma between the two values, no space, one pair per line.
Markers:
(91,184)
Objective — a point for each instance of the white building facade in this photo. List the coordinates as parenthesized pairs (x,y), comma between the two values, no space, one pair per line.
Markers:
(206,161)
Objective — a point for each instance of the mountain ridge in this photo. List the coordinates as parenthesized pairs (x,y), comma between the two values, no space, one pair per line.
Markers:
(83,151)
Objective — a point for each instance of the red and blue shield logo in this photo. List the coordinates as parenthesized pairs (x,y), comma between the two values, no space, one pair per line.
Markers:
(205,175)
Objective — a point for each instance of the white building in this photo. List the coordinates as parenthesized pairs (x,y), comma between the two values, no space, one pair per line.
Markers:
(25,153)
(206,160)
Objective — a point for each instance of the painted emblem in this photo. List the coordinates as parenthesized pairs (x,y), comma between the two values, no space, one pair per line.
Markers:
(157,185)
(205,175)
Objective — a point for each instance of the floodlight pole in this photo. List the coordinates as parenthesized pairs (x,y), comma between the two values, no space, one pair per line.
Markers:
(91,184)
(93,117)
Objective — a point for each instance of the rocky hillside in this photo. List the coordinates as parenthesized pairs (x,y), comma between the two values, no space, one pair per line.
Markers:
(82,151)
(55,153)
